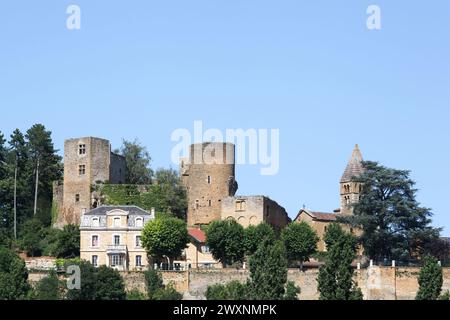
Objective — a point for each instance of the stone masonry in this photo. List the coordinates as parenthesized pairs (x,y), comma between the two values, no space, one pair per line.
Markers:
(209,176)
(87,161)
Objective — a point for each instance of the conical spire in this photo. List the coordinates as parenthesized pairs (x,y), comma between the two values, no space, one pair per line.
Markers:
(354,166)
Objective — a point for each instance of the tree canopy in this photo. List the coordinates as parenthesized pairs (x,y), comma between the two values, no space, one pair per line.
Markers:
(300,241)
(255,235)
(335,280)
(165,236)
(395,226)
(138,162)
(13,276)
(225,240)
(430,280)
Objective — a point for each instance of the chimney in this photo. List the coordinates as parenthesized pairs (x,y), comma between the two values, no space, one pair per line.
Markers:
(152,213)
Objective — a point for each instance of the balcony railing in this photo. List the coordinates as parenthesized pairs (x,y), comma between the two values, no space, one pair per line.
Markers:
(115,249)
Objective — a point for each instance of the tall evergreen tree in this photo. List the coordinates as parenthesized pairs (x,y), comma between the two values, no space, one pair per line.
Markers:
(268,273)
(430,280)
(44,168)
(335,280)
(389,214)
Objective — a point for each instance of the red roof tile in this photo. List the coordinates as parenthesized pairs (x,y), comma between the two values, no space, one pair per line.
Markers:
(198,234)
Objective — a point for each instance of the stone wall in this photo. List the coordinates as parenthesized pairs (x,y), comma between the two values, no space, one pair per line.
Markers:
(253,210)
(209,176)
(376,283)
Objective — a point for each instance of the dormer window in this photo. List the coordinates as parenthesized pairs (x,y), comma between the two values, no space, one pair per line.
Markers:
(139,222)
(116,222)
(95,222)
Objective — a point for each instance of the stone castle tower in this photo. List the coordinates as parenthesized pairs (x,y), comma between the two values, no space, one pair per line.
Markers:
(87,161)
(350,190)
(209,176)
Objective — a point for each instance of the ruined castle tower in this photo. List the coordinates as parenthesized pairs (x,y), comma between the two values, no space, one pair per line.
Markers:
(350,190)
(87,161)
(209,176)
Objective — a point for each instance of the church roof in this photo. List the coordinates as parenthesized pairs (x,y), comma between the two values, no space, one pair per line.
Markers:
(354,166)
(320,216)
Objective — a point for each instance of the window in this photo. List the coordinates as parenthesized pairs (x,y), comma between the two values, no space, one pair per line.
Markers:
(138,261)
(209,179)
(205,249)
(95,241)
(95,222)
(139,223)
(117,240)
(240,205)
(82,149)
(95,261)
(197,204)
(82,169)
(209,203)
(116,260)
(77,198)
(116,222)
(138,242)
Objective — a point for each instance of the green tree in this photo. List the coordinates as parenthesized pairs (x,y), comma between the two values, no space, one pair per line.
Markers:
(292,291)
(49,288)
(335,280)
(44,167)
(67,242)
(156,290)
(170,193)
(101,283)
(389,214)
(300,241)
(168,294)
(31,237)
(165,237)
(154,282)
(88,284)
(138,162)
(268,272)
(109,284)
(225,240)
(430,280)
(13,276)
(255,235)
(136,295)
(233,290)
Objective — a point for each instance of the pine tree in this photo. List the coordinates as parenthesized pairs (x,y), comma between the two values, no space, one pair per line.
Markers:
(44,167)
(430,280)
(268,272)
(335,281)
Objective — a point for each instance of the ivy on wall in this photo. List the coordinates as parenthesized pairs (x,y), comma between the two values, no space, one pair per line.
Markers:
(164,199)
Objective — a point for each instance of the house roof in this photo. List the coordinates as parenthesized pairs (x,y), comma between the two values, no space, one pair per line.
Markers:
(103,210)
(321,216)
(198,235)
(354,167)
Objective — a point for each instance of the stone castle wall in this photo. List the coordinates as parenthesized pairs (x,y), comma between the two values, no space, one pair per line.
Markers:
(376,283)
(253,210)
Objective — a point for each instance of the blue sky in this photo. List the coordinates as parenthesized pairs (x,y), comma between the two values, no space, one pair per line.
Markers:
(311,69)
